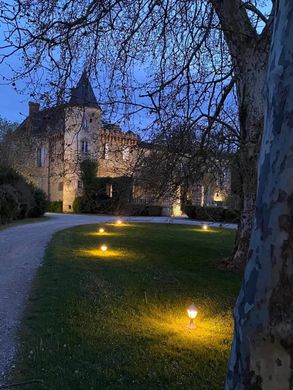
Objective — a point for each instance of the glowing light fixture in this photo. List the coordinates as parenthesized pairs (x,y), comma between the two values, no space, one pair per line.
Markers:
(101,230)
(119,222)
(205,226)
(104,248)
(192,313)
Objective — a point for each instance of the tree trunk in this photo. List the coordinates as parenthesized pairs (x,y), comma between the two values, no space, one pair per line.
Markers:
(250,82)
(262,351)
(249,52)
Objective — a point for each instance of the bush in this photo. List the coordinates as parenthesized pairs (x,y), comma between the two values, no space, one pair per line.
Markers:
(55,206)
(141,210)
(9,204)
(231,215)
(31,201)
(80,205)
(40,203)
(216,214)
(154,210)
(134,210)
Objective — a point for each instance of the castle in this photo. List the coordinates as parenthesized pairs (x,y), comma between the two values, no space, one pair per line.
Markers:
(51,143)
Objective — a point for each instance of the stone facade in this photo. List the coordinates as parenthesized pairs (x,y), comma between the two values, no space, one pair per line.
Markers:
(51,144)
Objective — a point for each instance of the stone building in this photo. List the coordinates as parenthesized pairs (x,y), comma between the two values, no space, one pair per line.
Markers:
(51,143)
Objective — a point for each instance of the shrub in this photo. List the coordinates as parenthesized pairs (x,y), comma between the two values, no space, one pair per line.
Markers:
(231,215)
(216,214)
(9,204)
(134,210)
(40,203)
(141,210)
(154,210)
(24,190)
(80,205)
(31,201)
(55,206)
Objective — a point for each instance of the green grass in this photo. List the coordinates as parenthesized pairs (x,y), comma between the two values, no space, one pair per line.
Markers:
(118,320)
(24,221)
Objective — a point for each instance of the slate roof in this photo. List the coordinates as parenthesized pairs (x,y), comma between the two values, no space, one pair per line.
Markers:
(83,94)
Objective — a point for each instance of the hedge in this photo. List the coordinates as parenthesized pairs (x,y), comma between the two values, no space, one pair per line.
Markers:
(9,204)
(18,198)
(55,206)
(141,210)
(216,214)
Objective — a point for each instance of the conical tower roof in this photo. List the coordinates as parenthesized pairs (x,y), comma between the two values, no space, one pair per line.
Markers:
(83,94)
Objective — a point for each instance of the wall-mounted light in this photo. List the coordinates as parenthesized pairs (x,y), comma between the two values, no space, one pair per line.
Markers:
(101,230)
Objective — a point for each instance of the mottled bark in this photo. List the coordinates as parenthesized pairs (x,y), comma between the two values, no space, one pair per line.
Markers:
(249,52)
(262,351)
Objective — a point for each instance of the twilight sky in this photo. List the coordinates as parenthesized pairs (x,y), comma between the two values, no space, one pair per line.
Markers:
(13,105)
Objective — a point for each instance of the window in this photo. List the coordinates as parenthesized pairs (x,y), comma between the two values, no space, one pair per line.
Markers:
(125,153)
(79,185)
(84,146)
(41,156)
(85,123)
(109,190)
(105,151)
(60,186)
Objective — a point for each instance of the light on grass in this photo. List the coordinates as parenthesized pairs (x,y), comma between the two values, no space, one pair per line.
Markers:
(104,248)
(101,230)
(192,313)
(205,226)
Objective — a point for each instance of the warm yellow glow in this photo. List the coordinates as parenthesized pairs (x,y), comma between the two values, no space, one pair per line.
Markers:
(109,254)
(176,210)
(104,248)
(98,234)
(211,330)
(218,197)
(192,312)
(101,230)
(119,222)
(205,226)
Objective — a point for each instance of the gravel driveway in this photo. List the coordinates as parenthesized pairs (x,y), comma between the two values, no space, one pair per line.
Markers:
(21,251)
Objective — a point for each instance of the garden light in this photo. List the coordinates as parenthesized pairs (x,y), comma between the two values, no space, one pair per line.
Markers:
(104,248)
(101,230)
(119,222)
(192,313)
(205,227)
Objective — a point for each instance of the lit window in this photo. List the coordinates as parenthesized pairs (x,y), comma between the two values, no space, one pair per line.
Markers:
(41,156)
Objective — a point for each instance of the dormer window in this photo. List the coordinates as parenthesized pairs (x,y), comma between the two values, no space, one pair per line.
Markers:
(84,146)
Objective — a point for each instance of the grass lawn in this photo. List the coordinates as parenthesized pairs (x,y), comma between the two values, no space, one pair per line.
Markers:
(23,222)
(117,320)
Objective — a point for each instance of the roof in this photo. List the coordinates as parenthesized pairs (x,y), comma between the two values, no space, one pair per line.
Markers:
(50,120)
(83,94)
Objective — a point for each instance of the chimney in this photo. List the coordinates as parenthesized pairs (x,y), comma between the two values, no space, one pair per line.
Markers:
(33,107)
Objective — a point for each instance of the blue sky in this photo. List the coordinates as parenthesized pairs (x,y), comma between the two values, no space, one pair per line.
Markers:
(13,105)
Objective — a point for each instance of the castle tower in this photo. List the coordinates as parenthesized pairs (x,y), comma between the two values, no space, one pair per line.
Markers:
(82,126)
